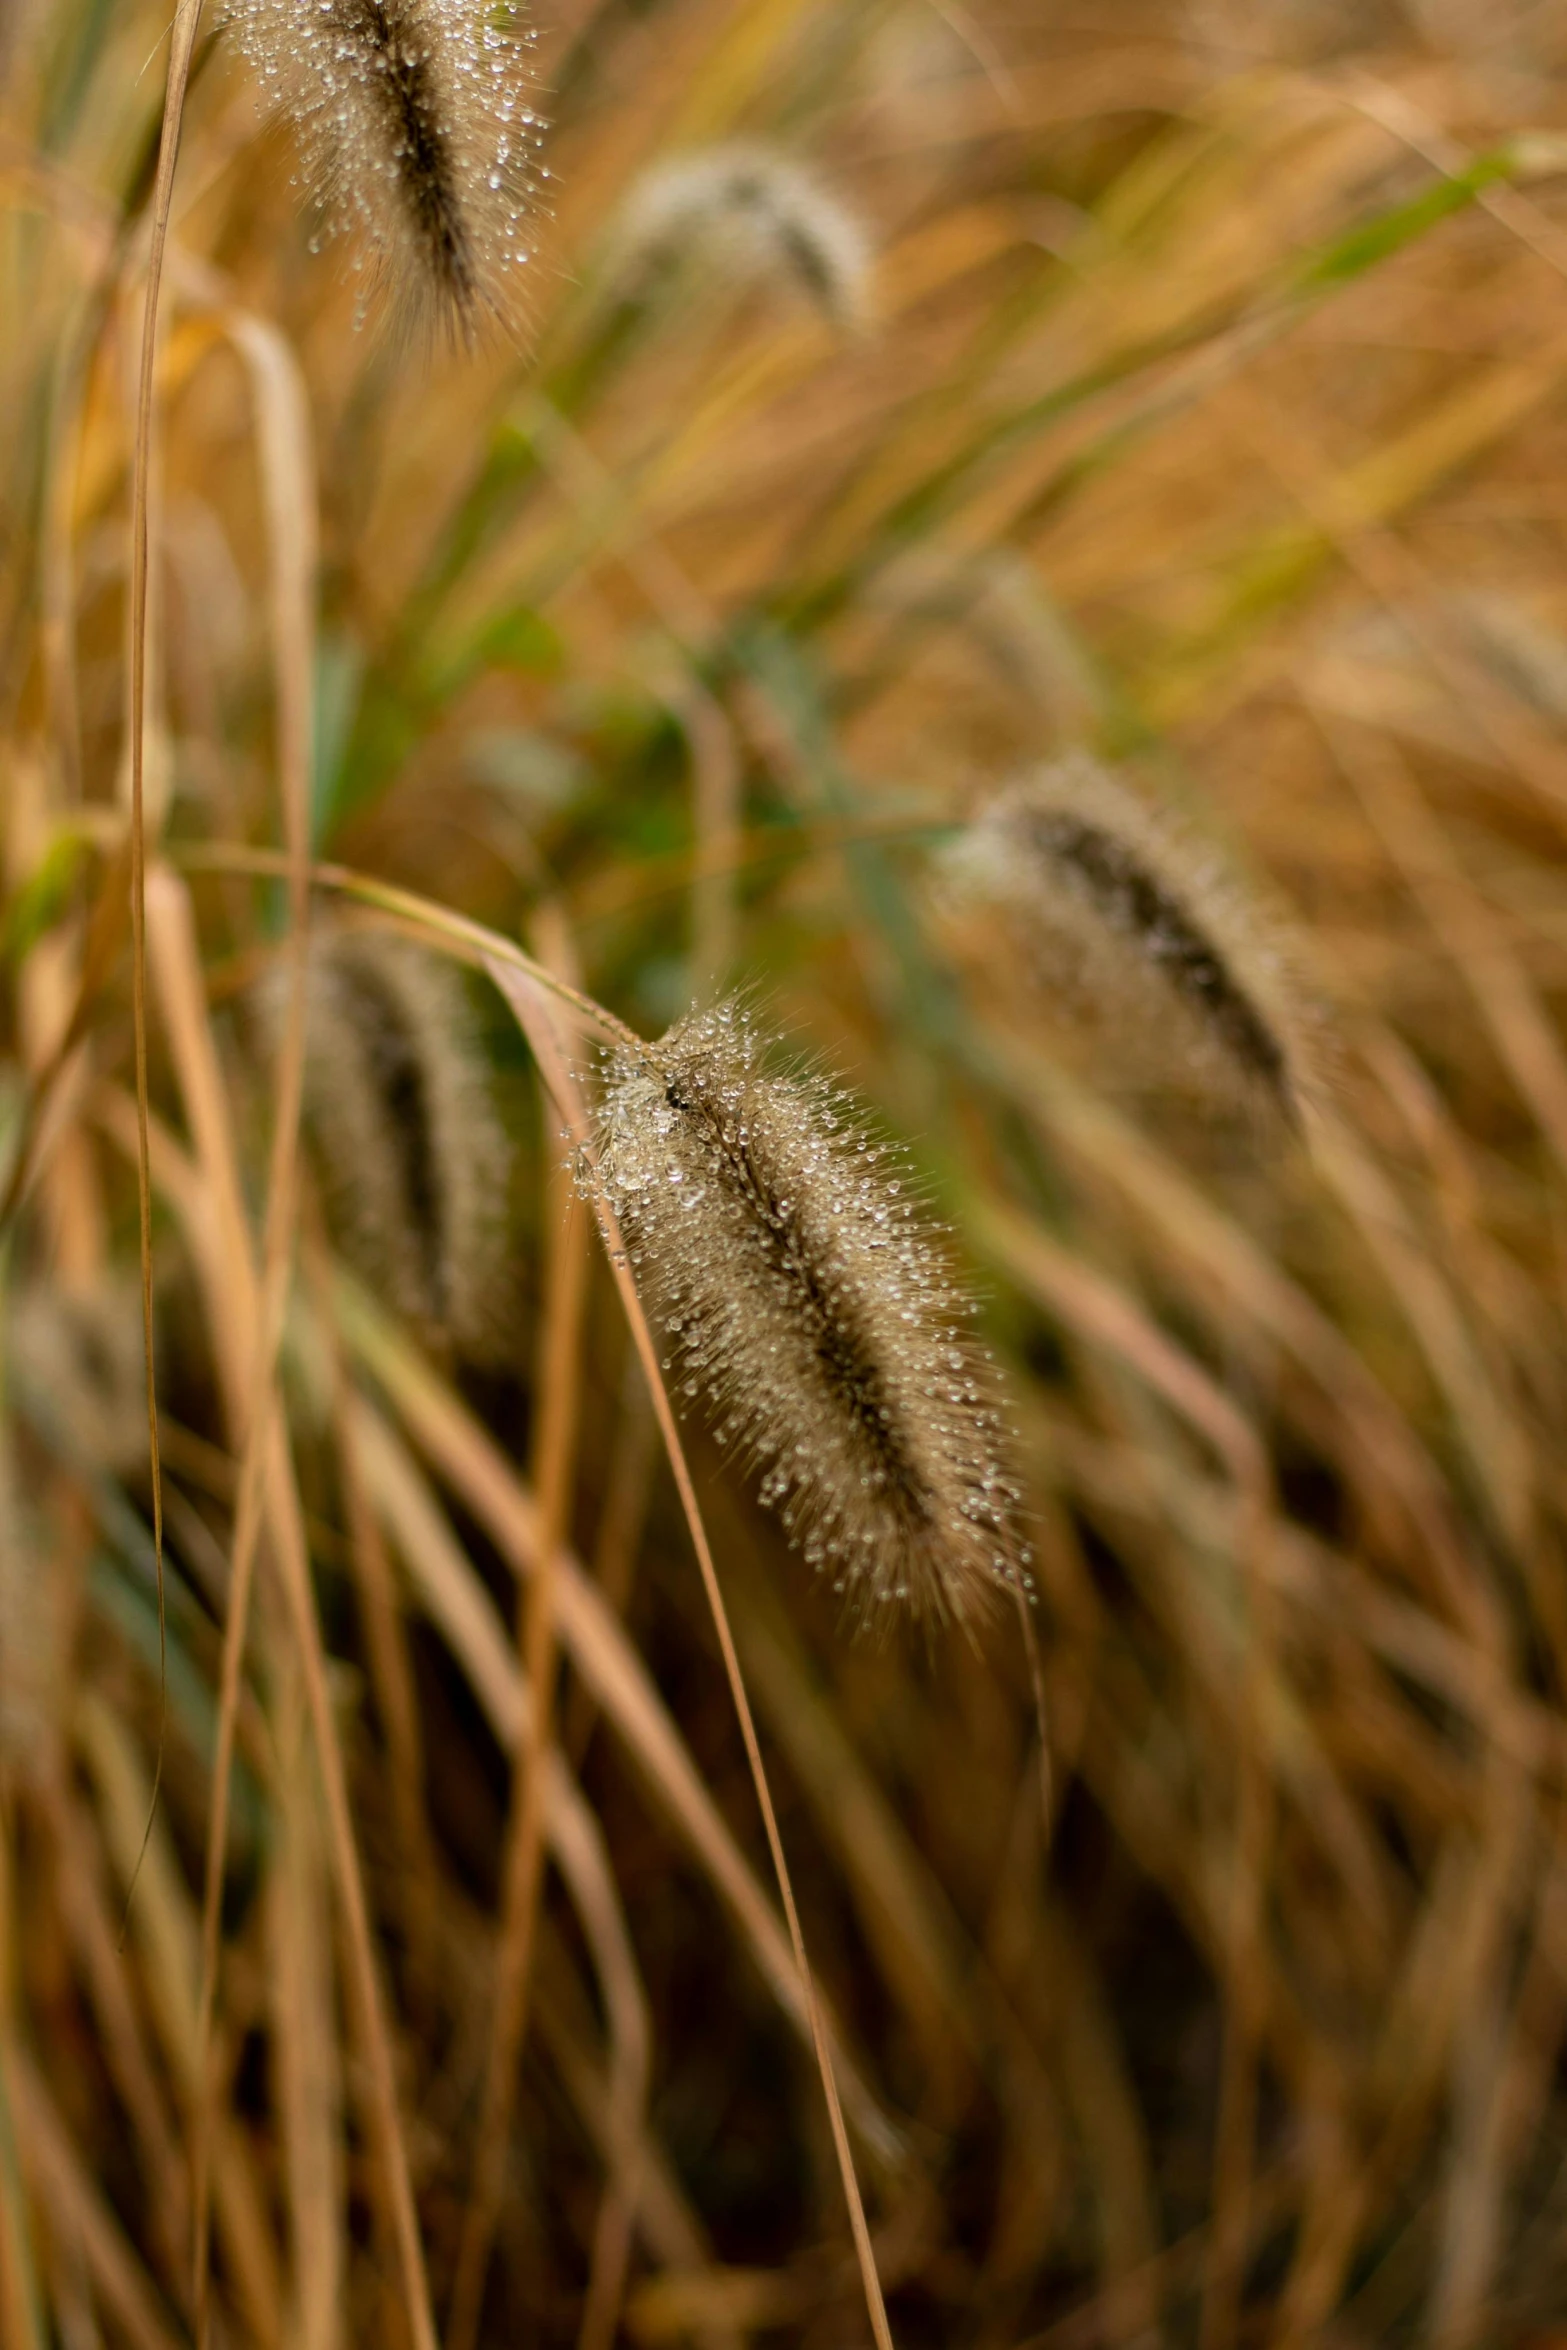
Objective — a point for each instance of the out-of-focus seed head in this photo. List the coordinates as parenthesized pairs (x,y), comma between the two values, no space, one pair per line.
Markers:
(745,215)
(78,1357)
(813,1308)
(400,1110)
(420,129)
(1073,896)
(33,1639)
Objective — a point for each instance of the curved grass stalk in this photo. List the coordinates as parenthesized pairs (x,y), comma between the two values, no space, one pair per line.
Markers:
(283,434)
(543,1038)
(226,1258)
(462,1611)
(182,44)
(602,1656)
(421,918)
(559,1386)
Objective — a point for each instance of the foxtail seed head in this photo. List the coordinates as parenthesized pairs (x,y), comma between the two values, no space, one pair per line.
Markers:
(80,1354)
(1118,917)
(812,1307)
(418,127)
(745,215)
(399,1108)
(33,1644)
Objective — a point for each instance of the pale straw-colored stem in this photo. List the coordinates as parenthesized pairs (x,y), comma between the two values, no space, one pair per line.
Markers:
(287,479)
(557,1391)
(181,45)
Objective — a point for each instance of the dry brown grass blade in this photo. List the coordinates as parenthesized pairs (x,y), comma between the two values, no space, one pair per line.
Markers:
(391,1673)
(606,1662)
(716,810)
(1067,1287)
(53,1074)
(1395,1475)
(1245,2011)
(1450,434)
(923,1953)
(84,1903)
(1476,2184)
(1319,1591)
(1396,576)
(287,1524)
(1461,1936)
(1333,2210)
(1459,916)
(462,1611)
(181,45)
(304,2037)
(163,1924)
(1484,1420)
(670,2230)
(234,1308)
(64,2186)
(69,1195)
(1112,2315)
(288,497)
(558,1388)
(536,1018)
(1108,1318)
(421,918)
(675,2306)
(1051,1978)
(21,2305)
(962,2016)
(234,1333)
(622,1523)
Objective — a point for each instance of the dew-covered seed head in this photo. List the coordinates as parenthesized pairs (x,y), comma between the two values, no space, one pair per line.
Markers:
(420,127)
(814,1312)
(79,1355)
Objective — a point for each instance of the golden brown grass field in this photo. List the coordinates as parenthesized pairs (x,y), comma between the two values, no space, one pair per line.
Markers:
(1030,539)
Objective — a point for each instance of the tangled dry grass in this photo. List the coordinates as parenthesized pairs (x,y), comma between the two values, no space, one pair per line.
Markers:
(1176,388)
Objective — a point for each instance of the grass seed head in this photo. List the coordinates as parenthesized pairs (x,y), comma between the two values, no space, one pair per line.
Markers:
(33,1658)
(399,1107)
(1129,927)
(812,1306)
(744,215)
(419,127)
(78,1357)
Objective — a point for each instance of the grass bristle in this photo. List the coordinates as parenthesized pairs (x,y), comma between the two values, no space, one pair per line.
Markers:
(812,1305)
(419,129)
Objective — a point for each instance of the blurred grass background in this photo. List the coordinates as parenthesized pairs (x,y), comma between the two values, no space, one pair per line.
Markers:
(1207,413)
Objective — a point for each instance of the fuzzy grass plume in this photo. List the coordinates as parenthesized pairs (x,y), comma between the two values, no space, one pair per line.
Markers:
(742,215)
(400,1113)
(32,1630)
(812,1306)
(1127,926)
(418,126)
(77,1357)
